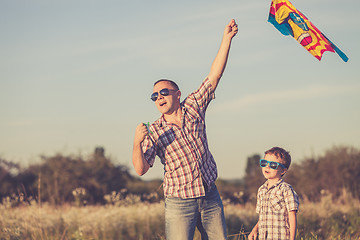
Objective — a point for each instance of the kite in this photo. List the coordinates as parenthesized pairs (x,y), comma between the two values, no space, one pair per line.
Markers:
(289,21)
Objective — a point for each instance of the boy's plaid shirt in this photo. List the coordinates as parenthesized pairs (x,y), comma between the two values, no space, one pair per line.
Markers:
(273,206)
(184,151)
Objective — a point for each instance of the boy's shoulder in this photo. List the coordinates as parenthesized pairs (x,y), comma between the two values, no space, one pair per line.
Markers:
(284,186)
(287,190)
(281,185)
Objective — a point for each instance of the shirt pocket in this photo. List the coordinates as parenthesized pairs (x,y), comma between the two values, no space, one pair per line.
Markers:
(277,203)
(197,127)
(167,138)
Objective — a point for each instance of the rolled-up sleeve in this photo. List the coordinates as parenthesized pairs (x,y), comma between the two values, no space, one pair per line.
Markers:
(149,151)
(201,97)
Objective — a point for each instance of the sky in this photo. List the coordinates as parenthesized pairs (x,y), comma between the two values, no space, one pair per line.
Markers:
(75,75)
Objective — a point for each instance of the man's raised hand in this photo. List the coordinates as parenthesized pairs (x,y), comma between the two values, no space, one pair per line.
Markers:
(231,29)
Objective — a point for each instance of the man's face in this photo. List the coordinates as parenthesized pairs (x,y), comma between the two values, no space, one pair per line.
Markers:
(167,104)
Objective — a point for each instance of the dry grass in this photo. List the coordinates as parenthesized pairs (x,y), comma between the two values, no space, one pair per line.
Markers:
(327,219)
(92,222)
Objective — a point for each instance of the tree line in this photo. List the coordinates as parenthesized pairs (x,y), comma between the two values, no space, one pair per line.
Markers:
(57,179)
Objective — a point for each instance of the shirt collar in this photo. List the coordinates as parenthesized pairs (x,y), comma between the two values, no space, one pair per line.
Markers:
(264,187)
(162,122)
(273,186)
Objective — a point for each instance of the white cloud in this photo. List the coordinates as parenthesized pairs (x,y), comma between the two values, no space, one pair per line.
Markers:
(315,91)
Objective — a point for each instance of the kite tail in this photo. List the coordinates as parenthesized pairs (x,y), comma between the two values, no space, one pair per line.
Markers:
(337,50)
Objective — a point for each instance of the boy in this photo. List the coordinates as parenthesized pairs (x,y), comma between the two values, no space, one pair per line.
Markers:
(277,202)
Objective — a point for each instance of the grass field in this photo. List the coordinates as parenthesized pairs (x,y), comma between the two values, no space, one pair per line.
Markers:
(134,220)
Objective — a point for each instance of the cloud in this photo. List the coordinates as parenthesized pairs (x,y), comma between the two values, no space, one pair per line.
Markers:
(315,91)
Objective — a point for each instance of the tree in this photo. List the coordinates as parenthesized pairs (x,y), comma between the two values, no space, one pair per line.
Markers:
(104,176)
(253,176)
(336,170)
(340,169)
(7,180)
(59,175)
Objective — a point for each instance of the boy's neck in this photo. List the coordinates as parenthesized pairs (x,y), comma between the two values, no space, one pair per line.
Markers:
(272,182)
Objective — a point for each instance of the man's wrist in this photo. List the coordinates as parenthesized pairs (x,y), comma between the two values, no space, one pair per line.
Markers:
(137,144)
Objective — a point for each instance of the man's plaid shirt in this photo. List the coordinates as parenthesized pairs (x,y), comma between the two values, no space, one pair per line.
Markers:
(184,151)
(273,206)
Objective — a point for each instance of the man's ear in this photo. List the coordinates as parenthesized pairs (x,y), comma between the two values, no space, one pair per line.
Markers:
(178,93)
(284,171)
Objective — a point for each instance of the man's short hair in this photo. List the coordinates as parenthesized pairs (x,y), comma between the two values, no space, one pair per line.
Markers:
(282,154)
(167,80)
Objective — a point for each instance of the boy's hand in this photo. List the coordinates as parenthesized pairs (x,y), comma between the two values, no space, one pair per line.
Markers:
(231,29)
(252,235)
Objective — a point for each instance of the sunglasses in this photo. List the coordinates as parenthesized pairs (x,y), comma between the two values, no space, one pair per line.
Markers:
(272,165)
(163,92)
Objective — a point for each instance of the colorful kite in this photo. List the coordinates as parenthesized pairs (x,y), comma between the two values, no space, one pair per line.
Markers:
(289,21)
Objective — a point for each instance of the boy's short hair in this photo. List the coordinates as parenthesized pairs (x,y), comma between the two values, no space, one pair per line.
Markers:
(167,80)
(282,154)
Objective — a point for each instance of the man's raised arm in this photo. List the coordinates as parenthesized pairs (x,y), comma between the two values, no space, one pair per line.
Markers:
(219,63)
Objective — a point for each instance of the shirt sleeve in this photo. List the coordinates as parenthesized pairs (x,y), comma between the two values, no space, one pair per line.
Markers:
(149,150)
(258,202)
(291,199)
(200,99)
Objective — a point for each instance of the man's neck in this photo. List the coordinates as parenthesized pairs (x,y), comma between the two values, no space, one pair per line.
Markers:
(174,117)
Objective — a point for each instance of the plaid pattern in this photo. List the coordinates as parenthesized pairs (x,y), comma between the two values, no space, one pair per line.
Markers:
(188,163)
(273,206)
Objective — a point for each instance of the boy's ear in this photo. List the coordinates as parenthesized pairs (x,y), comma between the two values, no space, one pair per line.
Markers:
(284,171)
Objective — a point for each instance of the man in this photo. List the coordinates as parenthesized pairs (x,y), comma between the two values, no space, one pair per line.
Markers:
(179,139)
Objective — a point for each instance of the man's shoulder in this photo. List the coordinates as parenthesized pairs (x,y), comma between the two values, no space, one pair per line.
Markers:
(201,90)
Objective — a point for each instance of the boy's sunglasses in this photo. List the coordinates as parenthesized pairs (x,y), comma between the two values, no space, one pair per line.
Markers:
(163,92)
(272,165)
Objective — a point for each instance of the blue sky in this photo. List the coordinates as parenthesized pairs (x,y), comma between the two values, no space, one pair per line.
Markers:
(75,75)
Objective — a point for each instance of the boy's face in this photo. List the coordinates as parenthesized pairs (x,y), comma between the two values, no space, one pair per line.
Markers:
(273,174)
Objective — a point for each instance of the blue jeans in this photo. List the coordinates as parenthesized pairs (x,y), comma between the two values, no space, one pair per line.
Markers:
(205,213)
